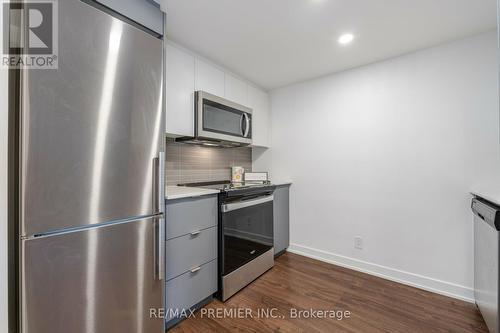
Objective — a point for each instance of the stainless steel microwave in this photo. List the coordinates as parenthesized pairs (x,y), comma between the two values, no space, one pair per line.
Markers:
(220,122)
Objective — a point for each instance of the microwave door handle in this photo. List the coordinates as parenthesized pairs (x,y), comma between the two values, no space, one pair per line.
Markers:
(242,120)
(247,125)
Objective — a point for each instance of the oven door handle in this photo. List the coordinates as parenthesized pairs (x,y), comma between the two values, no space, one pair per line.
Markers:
(244,204)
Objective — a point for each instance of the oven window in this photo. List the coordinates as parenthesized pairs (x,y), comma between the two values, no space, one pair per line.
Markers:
(247,233)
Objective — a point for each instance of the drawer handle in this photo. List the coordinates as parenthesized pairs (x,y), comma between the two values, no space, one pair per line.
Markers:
(196,269)
(195,233)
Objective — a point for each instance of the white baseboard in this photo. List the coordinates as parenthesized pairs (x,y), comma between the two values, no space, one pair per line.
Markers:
(410,279)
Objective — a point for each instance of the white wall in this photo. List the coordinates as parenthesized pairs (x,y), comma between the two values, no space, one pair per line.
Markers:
(389,152)
(3,191)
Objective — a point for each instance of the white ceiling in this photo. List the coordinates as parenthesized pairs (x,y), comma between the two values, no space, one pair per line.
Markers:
(278,42)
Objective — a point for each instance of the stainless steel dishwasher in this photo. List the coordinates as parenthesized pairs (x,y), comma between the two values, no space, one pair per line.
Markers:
(486,257)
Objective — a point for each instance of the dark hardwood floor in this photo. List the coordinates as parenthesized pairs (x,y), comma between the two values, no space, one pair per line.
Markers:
(375,304)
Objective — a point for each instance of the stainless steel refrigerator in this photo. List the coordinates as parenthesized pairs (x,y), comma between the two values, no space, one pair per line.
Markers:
(91,203)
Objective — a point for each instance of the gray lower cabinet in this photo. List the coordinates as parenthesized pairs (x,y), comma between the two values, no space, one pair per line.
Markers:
(189,215)
(189,251)
(191,254)
(281,218)
(190,288)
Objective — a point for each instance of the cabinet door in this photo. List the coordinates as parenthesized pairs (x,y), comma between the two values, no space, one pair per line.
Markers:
(236,90)
(190,251)
(189,215)
(190,288)
(281,218)
(209,78)
(180,92)
(258,100)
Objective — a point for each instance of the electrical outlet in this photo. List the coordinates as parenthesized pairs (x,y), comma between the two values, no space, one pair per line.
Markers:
(358,242)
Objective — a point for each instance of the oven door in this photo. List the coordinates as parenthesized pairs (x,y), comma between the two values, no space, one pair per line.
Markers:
(247,231)
(222,120)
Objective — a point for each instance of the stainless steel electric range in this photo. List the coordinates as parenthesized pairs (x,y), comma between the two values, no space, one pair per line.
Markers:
(246,239)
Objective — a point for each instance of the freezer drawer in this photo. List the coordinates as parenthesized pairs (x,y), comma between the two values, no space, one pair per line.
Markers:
(184,216)
(190,288)
(99,280)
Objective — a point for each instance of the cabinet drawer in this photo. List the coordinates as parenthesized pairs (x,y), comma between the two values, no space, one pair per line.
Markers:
(188,289)
(184,216)
(189,251)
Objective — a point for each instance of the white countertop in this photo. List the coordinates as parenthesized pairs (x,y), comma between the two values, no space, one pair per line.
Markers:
(492,195)
(179,192)
(489,190)
(281,182)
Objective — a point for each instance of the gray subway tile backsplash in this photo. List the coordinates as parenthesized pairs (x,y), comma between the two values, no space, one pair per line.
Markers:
(189,163)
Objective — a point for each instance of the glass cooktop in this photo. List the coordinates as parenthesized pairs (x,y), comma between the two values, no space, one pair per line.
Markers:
(225,185)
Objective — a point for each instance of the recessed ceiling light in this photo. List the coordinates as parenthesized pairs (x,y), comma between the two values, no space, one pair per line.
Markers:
(346,39)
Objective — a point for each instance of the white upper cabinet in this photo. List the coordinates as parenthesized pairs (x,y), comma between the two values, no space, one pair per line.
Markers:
(186,73)
(259,101)
(180,74)
(236,90)
(209,78)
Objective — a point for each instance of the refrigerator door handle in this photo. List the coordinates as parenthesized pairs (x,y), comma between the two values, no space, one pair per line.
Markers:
(159,184)
(159,205)
(159,208)
(156,182)
(160,249)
